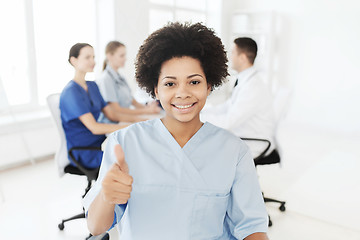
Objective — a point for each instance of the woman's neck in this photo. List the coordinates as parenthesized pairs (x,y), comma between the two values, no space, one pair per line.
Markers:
(182,131)
(79,78)
(115,68)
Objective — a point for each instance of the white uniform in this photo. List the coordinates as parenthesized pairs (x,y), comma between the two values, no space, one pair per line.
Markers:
(114,88)
(206,190)
(248,113)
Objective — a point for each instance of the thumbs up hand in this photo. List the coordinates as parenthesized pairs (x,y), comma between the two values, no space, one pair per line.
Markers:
(117,183)
(120,158)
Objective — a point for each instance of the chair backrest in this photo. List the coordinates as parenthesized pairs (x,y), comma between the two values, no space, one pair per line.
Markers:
(61,156)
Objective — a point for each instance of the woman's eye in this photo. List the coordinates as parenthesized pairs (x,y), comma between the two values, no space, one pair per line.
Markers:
(194,82)
(169,84)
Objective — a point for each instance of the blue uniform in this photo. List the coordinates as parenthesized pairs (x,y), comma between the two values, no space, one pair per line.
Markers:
(74,102)
(206,190)
(114,88)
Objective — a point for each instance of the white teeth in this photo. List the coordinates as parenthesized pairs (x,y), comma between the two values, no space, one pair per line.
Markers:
(183,106)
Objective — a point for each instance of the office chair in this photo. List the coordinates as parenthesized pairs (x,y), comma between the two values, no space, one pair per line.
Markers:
(61,156)
(271,158)
(281,104)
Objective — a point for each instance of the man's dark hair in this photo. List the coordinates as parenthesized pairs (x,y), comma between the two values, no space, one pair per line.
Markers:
(179,40)
(248,47)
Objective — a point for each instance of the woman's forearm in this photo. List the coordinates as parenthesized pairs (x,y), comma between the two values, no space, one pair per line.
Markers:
(116,107)
(98,128)
(104,128)
(100,216)
(257,236)
(137,105)
(128,118)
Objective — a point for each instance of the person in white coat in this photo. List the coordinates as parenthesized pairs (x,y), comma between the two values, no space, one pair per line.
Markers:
(248,113)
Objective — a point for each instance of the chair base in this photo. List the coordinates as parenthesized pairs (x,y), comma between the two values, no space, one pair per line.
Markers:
(61,225)
(282,207)
(270,222)
(104,236)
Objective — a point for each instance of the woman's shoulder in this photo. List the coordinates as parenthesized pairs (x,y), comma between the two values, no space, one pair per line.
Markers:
(230,140)
(137,131)
(93,86)
(221,133)
(70,87)
(103,77)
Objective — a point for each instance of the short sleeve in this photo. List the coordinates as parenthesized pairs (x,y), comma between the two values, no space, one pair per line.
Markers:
(246,213)
(73,104)
(107,88)
(107,161)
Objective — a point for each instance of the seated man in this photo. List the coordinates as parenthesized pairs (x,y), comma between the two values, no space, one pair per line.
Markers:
(249,111)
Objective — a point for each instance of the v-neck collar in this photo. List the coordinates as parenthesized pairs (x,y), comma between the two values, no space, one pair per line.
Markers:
(189,144)
(79,86)
(189,171)
(114,74)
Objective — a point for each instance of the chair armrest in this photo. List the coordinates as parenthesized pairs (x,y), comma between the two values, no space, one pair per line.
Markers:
(262,154)
(90,173)
(104,236)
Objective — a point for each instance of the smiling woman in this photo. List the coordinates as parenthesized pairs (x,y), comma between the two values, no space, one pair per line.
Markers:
(186,179)
(182,90)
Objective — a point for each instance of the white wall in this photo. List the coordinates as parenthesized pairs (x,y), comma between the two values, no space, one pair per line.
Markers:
(105,14)
(22,142)
(131,28)
(319,56)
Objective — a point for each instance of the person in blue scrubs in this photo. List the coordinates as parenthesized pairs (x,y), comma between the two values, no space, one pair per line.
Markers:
(114,88)
(80,104)
(176,177)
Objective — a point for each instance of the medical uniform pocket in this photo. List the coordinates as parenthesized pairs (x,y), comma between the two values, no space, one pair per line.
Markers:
(208,216)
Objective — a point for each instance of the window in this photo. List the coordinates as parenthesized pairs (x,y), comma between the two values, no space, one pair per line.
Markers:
(163,2)
(36,36)
(158,18)
(193,4)
(205,11)
(14,77)
(186,15)
(56,30)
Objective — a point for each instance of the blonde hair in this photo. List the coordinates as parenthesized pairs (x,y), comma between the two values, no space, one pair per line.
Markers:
(111,48)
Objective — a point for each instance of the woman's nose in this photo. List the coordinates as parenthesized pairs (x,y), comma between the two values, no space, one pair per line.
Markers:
(182,91)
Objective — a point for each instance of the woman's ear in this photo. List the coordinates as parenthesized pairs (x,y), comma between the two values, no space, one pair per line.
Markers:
(108,56)
(73,61)
(156,93)
(209,89)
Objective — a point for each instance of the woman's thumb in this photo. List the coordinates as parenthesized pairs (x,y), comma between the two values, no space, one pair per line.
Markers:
(120,158)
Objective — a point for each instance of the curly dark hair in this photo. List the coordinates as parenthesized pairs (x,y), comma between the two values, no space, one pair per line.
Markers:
(178,40)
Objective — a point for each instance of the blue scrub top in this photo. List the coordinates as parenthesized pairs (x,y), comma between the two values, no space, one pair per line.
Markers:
(207,189)
(74,102)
